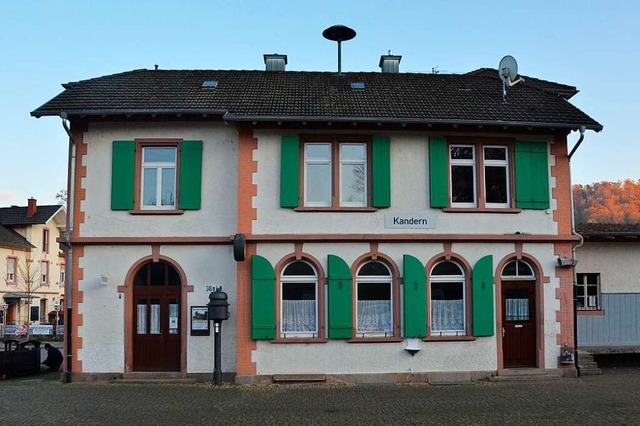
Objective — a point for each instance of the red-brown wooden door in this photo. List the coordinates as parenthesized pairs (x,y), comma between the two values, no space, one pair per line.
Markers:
(156,318)
(518,324)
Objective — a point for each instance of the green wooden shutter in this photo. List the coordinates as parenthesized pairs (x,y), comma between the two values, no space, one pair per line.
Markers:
(190,175)
(122,174)
(289,171)
(532,175)
(263,299)
(438,172)
(340,299)
(381,168)
(483,323)
(415,297)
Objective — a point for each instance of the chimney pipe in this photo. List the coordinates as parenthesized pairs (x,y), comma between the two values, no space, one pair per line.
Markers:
(275,62)
(31,207)
(390,63)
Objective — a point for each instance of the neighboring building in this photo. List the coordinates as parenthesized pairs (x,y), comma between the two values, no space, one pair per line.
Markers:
(32,264)
(385,215)
(608,288)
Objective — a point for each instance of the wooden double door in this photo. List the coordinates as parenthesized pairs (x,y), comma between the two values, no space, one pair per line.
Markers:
(156,318)
(519,324)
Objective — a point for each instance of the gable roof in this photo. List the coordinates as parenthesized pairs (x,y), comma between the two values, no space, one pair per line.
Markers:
(472,98)
(17,216)
(10,238)
(609,230)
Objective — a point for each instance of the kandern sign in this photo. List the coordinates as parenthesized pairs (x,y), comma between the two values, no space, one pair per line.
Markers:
(409,221)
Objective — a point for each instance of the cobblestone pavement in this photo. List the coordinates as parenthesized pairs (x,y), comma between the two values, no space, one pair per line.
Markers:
(612,398)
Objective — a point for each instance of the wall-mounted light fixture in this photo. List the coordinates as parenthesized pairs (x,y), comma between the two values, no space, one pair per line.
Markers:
(563,262)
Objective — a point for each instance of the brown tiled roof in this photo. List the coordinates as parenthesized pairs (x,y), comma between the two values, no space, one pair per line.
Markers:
(470,98)
(17,216)
(10,238)
(588,230)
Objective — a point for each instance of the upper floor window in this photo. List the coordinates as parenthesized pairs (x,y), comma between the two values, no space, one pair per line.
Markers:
(45,241)
(335,174)
(62,274)
(588,291)
(447,294)
(299,301)
(374,296)
(491,170)
(159,177)
(12,268)
(44,272)
(151,175)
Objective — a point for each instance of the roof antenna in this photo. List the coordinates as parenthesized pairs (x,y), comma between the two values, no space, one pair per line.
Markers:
(339,33)
(508,71)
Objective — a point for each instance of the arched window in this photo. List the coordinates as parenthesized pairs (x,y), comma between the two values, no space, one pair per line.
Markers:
(447,289)
(518,270)
(299,300)
(374,295)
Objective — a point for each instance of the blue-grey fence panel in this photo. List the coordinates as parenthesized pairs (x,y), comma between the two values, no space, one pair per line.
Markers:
(619,326)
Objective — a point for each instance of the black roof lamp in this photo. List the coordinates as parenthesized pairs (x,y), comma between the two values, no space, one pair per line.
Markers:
(339,33)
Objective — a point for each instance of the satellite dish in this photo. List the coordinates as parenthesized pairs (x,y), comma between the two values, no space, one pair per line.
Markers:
(339,33)
(508,71)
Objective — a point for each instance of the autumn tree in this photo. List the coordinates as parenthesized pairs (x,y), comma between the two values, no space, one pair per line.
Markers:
(607,202)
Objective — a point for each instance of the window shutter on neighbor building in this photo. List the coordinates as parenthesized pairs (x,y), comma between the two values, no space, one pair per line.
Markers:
(263,299)
(340,298)
(532,175)
(415,297)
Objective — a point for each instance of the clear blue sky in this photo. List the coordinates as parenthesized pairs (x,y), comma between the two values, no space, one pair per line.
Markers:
(594,45)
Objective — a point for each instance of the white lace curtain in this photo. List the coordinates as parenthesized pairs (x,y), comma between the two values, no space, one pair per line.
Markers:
(374,316)
(142,319)
(299,316)
(447,315)
(517,309)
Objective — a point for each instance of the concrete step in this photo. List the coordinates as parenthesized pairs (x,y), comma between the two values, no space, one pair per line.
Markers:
(591,364)
(299,378)
(590,371)
(157,377)
(524,375)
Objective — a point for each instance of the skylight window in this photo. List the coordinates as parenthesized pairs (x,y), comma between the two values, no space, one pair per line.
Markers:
(357,85)
(210,84)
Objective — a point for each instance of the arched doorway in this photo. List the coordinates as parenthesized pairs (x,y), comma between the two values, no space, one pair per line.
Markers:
(156,322)
(518,299)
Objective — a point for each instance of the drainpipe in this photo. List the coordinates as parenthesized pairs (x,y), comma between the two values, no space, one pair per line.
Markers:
(68,288)
(576,247)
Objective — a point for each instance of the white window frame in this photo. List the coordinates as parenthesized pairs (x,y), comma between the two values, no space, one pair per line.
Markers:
(62,274)
(318,161)
(294,279)
(463,162)
(519,276)
(497,163)
(453,279)
(344,161)
(12,266)
(581,281)
(366,279)
(159,167)
(44,272)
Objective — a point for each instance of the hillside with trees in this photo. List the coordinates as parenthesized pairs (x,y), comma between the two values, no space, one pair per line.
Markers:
(607,202)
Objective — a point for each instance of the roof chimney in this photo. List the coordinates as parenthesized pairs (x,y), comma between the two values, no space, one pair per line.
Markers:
(274,61)
(390,63)
(31,207)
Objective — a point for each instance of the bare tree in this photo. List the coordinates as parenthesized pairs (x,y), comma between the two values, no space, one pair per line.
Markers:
(28,281)
(61,196)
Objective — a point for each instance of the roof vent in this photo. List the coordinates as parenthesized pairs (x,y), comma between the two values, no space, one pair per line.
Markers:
(210,84)
(274,61)
(390,63)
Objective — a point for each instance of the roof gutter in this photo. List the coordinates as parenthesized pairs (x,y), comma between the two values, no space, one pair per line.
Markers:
(68,287)
(387,120)
(105,112)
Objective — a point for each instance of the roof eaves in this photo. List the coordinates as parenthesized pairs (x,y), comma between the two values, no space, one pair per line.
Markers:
(400,120)
(129,112)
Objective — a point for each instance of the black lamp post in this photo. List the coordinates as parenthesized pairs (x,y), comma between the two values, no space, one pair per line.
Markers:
(218,311)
